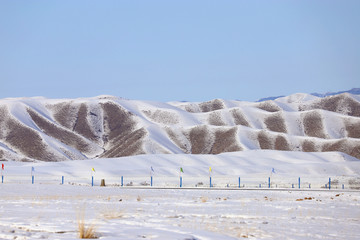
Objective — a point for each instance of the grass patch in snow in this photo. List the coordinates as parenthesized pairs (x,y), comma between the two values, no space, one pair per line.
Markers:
(85,232)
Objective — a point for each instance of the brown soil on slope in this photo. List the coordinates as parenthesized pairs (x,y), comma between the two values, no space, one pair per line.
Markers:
(269,106)
(308,146)
(313,125)
(63,135)
(27,141)
(281,143)
(82,125)
(239,118)
(265,142)
(215,119)
(344,145)
(197,137)
(225,141)
(211,105)
(65,114)
(276,123)
(341,103)
(352,127)
(122,138)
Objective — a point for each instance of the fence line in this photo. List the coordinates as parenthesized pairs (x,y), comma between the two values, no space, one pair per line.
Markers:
(221,181)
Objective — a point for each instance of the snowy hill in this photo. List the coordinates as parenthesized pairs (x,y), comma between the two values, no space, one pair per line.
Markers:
(355,91)
(351,91)
(109,127)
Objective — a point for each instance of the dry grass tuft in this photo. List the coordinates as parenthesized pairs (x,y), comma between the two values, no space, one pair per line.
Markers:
(86,232)
(113,214)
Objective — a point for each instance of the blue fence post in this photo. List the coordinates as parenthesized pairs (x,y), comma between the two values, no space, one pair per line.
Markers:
(292,185)
(239,182)
(122,181)
(210,182)
(329,183)
(62,180)
(299,182)
(260,185)
(343,186)
(269,182)
(2,178)
(32,179)
(309,185)
(151,181)
(180,181)
(92,181)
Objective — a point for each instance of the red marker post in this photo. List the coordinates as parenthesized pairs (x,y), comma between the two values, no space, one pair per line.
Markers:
(2,173)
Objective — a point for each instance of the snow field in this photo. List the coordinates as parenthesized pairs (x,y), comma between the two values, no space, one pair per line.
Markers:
(49,210)
(42,211)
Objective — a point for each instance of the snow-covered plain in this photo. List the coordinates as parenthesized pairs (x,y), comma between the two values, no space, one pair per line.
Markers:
(42,211)
(48,209)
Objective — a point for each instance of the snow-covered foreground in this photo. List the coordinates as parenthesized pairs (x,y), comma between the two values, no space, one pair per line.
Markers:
(52,211)
(48,209)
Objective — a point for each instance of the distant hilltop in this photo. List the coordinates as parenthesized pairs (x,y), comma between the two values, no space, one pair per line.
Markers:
(109,127)
(355,91)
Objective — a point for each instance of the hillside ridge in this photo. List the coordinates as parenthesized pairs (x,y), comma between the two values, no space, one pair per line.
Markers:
(108,127)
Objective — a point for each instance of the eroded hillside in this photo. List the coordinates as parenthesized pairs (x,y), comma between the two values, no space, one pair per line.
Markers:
(108,127)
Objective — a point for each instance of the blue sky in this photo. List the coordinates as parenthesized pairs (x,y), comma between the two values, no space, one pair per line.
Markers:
(178,50)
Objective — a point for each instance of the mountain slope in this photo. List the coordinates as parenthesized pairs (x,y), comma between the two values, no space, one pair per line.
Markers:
(355,91)
(108,127)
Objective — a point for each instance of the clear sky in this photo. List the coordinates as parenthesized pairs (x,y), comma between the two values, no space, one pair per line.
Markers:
(194,50)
